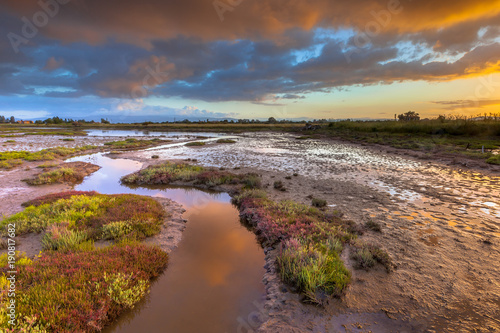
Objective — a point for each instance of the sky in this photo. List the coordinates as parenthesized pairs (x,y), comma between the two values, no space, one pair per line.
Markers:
(207,59)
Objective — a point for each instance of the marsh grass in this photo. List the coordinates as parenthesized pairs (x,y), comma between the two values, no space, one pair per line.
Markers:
(134,143)
(195,144)
(80,290)
(314,272)
(310,240)
(366,256)
(226,141)
(495,159)
(90,213)
(11,159)
(166,173)
(56,176)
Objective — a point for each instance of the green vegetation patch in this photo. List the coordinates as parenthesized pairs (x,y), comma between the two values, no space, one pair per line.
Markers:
(166,173)
(79,291)
(9,159)
(311,243)
(195,144)
(61,175)
(495,159)
(134,143)
(226,141)
(73,173)
(90,214)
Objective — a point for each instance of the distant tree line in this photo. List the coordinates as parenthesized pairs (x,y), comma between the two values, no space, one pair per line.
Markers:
(11,120)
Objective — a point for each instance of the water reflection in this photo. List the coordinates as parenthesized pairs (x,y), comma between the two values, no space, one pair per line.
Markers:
(107,181)
(212,280)
(214,277)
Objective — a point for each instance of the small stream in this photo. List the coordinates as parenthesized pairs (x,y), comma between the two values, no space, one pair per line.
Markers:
(213,281)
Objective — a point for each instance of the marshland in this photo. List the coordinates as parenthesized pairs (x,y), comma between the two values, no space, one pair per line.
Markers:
(271,231)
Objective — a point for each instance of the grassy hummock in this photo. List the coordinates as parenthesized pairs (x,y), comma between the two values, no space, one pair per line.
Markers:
(167,173)
(94,215)
(10,159)
(134,143)
(310,241)
(195,144)
(73,172)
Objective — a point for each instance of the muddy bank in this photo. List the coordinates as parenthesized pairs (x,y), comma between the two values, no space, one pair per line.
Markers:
(439,225)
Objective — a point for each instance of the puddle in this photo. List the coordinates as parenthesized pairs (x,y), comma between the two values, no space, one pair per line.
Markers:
(214,278)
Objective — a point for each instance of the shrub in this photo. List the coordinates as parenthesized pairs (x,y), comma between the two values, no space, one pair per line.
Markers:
(279,185)
(366,256)
(372,225)
(253,181)
(319,203)
(495,159)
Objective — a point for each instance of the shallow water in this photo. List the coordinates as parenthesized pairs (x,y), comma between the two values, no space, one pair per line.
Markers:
(213,281)
(475,195)
(141,133)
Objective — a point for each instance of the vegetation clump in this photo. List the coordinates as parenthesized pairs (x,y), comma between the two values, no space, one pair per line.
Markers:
(80,290)
(278,185)
(9,159)
(89,213)
(226,141)
(73,286)
(366,256)
(195,144)
(372,225)
(495,159)
(134,143)
(319,203)
(73,173)
(167,173)
(310,242)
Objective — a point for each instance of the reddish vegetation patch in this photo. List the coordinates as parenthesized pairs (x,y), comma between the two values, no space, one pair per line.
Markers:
(129,207)
(276,222)
(68,292)
(50,198)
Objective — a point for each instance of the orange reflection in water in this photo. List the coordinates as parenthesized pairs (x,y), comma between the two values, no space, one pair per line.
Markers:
(213,278)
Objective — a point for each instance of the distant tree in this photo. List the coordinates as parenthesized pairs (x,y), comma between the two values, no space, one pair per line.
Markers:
(409,116)
(272,120)
(38,122)
(12,119)
(104,121)
(2,119)
(76,124)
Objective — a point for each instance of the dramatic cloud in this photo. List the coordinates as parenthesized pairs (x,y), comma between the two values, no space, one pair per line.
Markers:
(267,52)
